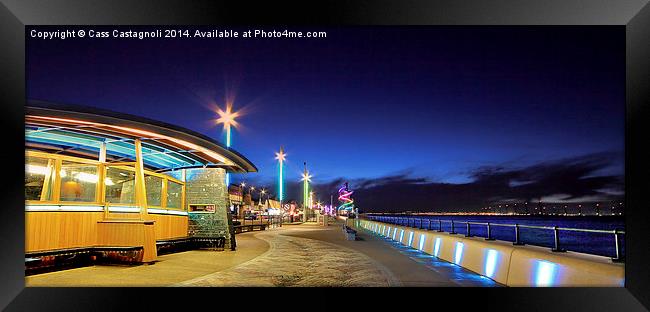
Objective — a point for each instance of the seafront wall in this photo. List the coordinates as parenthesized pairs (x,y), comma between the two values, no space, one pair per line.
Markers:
(502,261)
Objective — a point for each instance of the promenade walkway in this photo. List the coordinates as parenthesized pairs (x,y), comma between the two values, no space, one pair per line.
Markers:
(293,255)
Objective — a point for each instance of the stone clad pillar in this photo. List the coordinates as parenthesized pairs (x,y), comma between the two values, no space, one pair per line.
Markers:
(207,186)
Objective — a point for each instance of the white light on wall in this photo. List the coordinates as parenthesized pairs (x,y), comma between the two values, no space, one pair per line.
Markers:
(86,177)
(458,255)
(123,209)
(436,247)
(63,208)
(491,262)
(545,273)
(422,239)
(34,169)
(169,212)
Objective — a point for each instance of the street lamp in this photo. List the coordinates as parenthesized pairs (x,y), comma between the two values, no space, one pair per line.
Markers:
(280,156)
(306,178)
(227,118)
(311,200)
(262,192)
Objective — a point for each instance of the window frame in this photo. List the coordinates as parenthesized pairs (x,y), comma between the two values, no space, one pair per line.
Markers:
(100,187)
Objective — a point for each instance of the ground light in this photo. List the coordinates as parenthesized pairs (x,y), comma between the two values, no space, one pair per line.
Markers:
(436,247)
(422,240)
(458,255)
(545,273)
(491,260)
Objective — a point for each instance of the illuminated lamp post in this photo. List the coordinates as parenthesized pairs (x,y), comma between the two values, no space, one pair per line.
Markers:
(251,192)
(227,118)
(280,156)
(306,178)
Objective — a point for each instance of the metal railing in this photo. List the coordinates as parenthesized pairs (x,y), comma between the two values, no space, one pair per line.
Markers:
(263,222)
(557,247)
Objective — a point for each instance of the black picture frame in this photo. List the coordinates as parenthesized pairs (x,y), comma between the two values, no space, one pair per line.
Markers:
(634,15)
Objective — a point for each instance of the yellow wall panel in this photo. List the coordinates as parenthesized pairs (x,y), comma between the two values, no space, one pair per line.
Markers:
(51,230)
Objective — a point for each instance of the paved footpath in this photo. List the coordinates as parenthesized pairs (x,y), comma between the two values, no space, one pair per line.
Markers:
(293,255)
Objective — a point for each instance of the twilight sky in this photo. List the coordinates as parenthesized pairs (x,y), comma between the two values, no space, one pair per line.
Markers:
(430,107)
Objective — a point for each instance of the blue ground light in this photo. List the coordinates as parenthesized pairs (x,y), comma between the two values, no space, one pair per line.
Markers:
(453,272)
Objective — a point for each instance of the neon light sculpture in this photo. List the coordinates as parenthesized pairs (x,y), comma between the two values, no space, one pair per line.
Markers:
(344,197)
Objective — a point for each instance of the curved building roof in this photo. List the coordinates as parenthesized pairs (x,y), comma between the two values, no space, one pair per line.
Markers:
(81,131)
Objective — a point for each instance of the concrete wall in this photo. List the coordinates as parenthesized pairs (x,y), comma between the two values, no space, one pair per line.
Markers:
(503,262)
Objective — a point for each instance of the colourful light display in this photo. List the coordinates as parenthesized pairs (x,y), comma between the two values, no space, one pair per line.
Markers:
(345,197)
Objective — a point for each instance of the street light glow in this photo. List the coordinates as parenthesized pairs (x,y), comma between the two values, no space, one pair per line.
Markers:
(227,118)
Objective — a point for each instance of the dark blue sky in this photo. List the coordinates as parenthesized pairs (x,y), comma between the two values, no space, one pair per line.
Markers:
(364,103)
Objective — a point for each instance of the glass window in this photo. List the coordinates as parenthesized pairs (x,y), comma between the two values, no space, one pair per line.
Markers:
(120,185)
(174,195)
(153,185)
(78,181)
(38,174)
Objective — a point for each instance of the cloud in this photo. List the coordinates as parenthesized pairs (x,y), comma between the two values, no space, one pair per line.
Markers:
(564,180)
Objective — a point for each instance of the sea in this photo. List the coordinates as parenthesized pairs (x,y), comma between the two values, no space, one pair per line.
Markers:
(602,244)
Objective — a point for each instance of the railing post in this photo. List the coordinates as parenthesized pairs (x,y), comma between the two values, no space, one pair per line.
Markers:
(489,232)
(467,234)
(420,224)
(439,225)
(452,227)
(556,235)
(429,225)
(619,257)
(517,241)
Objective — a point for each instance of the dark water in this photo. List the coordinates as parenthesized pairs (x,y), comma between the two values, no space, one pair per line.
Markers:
(593,243)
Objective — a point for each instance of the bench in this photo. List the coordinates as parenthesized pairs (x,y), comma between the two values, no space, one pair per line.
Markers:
(70,257)
(189,243)
(218,243)
(118,254)
(249,227)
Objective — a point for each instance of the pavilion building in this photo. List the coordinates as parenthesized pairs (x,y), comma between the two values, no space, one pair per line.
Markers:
(99,182)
